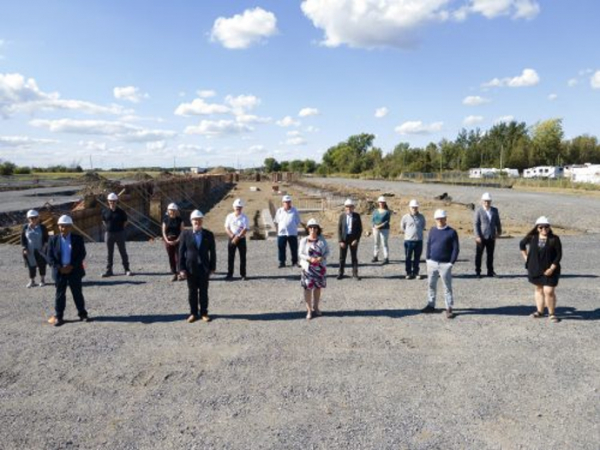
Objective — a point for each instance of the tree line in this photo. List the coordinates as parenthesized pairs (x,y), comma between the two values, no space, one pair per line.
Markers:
(505,145)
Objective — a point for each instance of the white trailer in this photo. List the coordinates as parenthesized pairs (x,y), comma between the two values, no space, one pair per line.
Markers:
(544,172)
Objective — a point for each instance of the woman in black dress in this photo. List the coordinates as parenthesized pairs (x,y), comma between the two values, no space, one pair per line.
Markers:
(542,261)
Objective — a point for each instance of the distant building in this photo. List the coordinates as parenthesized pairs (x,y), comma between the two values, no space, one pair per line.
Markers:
(544,172)
(587,173)
(492,173)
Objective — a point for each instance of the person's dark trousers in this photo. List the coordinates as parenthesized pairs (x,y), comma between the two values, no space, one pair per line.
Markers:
(282,241)
(172,251)
(60,299)
(412,255)
(231,248)
(41,265)
(353,256)
(112,238)
(488,245)
(198,293)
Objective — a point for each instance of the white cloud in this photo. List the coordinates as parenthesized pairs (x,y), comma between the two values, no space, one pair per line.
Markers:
(18,94)
(528,77)
(595,80)
(297,140)
(475,100)
(199,107)
(381,112)
(250,118)
(23,142)
(395,23)
(472,120)
(243,30)
(218,128)
(306,112)
(572,82)
(129,93)
(118,130)
(311,129)
(242,103)
(206,93)
(288,121)
(418,127)
(257,148)
(552,97)
(156,145)
(294,133)
(517,9)
(504,119)
(93,146)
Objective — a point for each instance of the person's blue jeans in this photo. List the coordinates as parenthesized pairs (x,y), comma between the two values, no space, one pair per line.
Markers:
(412,254)
(282,242)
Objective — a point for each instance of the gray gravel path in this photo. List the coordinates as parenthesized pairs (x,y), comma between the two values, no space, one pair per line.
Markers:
(372,373)
(578,211)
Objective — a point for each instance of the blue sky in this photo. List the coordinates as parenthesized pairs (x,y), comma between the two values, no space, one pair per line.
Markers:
(131,83)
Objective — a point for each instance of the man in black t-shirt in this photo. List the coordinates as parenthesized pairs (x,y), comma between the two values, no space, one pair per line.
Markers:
(115,221)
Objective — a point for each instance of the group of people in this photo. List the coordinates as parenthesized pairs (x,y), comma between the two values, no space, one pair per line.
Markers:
(192,252)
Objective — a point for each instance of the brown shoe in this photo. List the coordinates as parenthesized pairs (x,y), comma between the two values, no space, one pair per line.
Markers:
(450,314)
(206,318)
(174,277)
(191,319)
(55,321)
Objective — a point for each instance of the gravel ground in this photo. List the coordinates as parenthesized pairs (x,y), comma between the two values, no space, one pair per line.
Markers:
(372,373)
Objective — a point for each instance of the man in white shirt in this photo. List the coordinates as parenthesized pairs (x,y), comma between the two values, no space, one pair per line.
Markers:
(236,226)
(287,220)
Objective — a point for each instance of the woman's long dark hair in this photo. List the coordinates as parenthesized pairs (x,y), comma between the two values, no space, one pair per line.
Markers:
(535,232)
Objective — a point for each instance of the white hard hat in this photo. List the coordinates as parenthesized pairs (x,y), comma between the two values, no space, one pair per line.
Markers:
(238,203)
(486,196)
(542,220)
(413,203)
(313,223)
(173,206)
(440,214)
(381,199)
(65,220)
(112,197)
(32,213)
(286,198)
(196,215)
(349,202)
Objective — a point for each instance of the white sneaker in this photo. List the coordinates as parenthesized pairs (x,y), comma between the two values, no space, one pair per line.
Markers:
(30,284)
(128,273)
(42,284)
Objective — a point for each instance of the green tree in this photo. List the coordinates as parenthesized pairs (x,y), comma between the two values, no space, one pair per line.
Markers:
(547,143)
(271,165)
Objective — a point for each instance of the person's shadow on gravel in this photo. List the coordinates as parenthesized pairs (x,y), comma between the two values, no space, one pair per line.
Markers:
(112,282)
(301,315)
(148,319)
(564,312)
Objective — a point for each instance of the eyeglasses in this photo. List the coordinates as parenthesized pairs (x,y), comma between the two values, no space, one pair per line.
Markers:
(543,227)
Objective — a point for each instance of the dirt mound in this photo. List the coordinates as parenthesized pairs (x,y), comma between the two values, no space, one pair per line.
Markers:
(142,176)
(92,177)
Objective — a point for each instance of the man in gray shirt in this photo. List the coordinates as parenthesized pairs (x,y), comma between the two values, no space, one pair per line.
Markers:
(487,227)
(413,224)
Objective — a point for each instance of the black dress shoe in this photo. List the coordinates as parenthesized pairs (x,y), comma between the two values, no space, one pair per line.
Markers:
(85,319)
(428,309)
(492,274)
(340,276)
(281,265)
(107,274)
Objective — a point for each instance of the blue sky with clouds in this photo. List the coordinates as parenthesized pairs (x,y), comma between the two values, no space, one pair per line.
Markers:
(134,82)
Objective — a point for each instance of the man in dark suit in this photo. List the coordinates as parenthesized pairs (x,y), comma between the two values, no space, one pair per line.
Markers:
(487,227)
(349,233)
(197,261)
(66,253)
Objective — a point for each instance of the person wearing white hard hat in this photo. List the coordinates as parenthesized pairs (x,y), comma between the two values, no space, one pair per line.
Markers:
(197,262)
(487,227)
(349,233)
(287,219)
(34,239)
(442,253)
(172,227)
(413,225)
(542,252)
(236,227)
(66,253)
(114,220)
(380,222)
(313,252)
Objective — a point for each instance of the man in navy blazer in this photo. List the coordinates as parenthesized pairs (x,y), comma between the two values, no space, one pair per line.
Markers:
(488,227)
(197,261)
(66,252)
(349,233)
